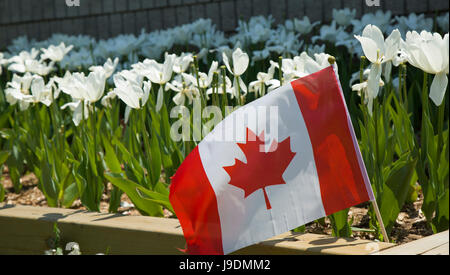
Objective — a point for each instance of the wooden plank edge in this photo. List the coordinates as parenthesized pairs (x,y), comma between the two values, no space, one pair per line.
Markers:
(419,246)
(27,229)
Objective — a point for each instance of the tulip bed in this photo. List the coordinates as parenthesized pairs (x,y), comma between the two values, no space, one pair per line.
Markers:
(99,111)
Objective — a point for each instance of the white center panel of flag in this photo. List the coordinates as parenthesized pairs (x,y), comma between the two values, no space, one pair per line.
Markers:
(245,221)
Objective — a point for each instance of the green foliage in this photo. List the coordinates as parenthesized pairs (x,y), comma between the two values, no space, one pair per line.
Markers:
(148,202)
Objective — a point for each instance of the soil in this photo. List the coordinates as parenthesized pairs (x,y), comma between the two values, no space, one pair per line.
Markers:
(410,224)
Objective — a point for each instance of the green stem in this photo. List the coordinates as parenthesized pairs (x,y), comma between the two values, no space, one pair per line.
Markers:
(147,146)
(361,69)
(239,101)
(405,95)
(441,112)
(400,84)
(224,89)
(280,72)
(377,156)
(424,114)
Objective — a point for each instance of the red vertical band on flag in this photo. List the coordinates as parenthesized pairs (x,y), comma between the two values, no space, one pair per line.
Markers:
(195,204)
(341,181)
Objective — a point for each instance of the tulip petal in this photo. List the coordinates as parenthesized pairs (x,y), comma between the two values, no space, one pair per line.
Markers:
(159,99)
(387,71)
(227,63)
(179,99)
(240,62)
(438,88)
(374,33)
(392,45)
(77,113)
(373,82)
(369,47)
(127,113)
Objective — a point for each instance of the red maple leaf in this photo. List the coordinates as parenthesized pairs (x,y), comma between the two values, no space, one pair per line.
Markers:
(262,168)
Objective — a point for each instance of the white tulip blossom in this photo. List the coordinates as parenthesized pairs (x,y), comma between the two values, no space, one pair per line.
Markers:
(85,88)
(240,62)
(131,89)
(240,65)
(181,63)
(284,42)
(264,79)
(260,55)
(413,22)
(303,65)
(343,17)
(108,68)
(18,91)
(26,62)
(184,87)
(304,26)
(380,19)
(378,51)
(361,88)
(331,33)
(41,92)
(106,100)
(75,60)
(430,53)
(55,53)
(78,107)
(222,85)
(204,80)
(157,73)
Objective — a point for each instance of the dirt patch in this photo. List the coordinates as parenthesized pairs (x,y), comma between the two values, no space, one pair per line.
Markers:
(410,224)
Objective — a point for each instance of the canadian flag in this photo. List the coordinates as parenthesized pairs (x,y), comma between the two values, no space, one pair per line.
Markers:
(281,170)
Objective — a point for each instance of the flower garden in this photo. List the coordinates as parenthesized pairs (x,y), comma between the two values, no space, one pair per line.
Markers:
(88,117)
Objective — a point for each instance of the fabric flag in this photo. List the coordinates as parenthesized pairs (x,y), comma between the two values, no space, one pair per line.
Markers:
(282,170)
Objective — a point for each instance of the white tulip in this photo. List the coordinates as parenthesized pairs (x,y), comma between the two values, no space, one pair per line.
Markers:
(40,91)
(380,19)
(181,63)
(108,68)
(157,73)
(106,100)
(378,51)
(344,16)
(131,92)
(430,53)
(413,22)
(185,89)
(362,88)
(77,108)
(55,53)
(80,87)
(240,62)
(26,62)
(18,91)
(304,26)
(263,79)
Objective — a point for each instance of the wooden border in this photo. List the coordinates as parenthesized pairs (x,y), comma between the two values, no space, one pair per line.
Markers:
(436,244)
(26,230)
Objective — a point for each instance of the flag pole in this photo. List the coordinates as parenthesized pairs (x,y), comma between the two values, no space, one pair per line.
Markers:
(380,220)
(332,60)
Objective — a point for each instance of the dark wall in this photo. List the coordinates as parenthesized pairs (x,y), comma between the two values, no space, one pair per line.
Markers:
(105,18)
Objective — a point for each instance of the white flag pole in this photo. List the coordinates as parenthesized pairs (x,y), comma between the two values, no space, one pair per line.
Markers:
(380,221)
(332,61)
